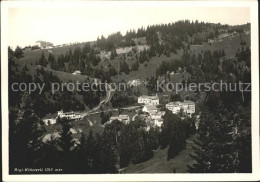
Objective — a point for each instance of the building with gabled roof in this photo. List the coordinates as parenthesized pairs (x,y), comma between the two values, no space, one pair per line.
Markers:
(122,117)
(148,100)
(188,107)
(150,109)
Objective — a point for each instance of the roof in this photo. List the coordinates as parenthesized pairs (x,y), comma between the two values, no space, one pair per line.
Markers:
(123,117)
(151,107)
(172,104)
(149,97)
(113,117)
(178,103)
(189,102)
(40,41)
(68,112)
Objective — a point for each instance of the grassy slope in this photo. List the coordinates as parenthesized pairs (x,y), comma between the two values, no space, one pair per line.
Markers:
(33,56)
(159,164)
(229,44)
(149,70)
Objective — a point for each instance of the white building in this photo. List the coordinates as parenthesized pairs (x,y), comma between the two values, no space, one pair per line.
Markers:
(49,121)
(187,106)
(122,117)
(148,100)
(190,105)
(69,115)
(43,44)
(157,115)
(174,107)
(123,50)
(151,109)
(77,72)
(158,122)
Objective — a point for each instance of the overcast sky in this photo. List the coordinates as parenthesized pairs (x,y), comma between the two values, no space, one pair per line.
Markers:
(65,25)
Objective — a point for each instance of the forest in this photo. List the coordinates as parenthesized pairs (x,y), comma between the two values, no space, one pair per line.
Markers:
(223,138)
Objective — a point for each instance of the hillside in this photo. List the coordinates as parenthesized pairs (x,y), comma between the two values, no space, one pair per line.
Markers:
(120,132)
(159,163)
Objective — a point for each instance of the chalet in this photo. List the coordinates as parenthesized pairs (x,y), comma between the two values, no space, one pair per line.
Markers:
(49,121)
(43,44)
(150,109)
(148,100)
(123,50)
(77,72)
(187,106)
(157,115)
(69,115)
(123,118)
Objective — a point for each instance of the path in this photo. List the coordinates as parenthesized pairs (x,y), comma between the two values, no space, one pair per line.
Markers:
(108,95)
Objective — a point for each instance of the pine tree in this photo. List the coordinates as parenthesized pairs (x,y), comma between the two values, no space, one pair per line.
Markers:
(108,157)
(27,136)
(51,154)
(18,53)
(42,61)
(81,65)
(215,150)
(201,147)
(177,141)
(67,157)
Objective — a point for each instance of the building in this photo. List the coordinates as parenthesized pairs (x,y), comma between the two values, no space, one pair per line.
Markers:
(43,44)
(69,115)
(158,122)
(49,121)
(122,117)
(174,107)
(157,115)
(190,105)
(123,50)
(157,118)
(77,72)
(187,106)
(148,100)
(150,109)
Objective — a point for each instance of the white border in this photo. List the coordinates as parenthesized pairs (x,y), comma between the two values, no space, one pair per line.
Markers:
(133,177)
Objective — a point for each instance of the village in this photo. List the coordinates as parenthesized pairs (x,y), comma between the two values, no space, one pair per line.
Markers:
(148,110)
(129,89)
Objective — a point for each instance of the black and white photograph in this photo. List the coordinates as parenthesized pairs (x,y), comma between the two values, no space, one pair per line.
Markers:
(130,88)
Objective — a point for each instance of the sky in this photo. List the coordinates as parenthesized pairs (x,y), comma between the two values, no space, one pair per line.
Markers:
(65,25)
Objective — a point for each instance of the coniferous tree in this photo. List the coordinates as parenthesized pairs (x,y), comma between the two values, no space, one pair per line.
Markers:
(27,136)
(67,145)
(42,61)
(18,53)
(215,150)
